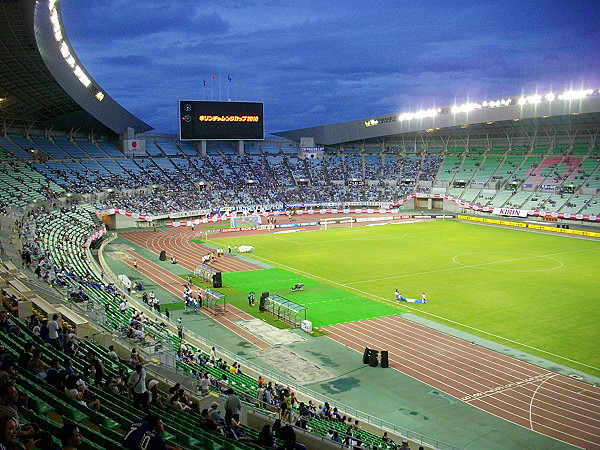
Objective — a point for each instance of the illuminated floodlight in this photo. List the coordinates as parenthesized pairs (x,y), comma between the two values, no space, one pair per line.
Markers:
(534,99)
(64,50)
(425,113)
(467,107)
(575,95)
(522,101)
(550,97)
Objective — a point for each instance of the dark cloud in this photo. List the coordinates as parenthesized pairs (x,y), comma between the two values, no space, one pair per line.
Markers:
(314,63)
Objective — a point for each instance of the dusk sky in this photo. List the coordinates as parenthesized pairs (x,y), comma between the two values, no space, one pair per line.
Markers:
(315,63)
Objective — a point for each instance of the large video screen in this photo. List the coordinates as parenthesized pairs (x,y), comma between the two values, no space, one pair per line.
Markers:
(220,120)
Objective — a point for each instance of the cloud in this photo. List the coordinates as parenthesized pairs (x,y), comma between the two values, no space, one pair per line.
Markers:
(314,63)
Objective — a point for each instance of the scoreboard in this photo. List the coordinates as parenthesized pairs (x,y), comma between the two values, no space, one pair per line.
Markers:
(204,120)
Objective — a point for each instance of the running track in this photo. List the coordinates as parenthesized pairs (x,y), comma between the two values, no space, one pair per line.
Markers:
(187,259)
(188,254)
(543,401)
(535,398)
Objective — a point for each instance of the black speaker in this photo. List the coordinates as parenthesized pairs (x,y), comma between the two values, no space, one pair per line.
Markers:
(366,355)
(217,280)
(261,304)
(384,359)
(264,295)
(163,255)
(373,358)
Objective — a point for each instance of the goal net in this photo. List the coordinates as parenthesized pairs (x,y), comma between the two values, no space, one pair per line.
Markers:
(337,222)
(245,220)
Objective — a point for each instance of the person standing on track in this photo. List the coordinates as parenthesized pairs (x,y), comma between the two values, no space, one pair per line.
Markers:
(135,264)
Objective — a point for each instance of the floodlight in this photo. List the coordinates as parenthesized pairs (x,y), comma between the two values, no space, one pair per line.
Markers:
(64,50)
(550,97)
(534,99)
(522,101)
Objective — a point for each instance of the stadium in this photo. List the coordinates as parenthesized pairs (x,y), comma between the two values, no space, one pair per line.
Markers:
(431,275)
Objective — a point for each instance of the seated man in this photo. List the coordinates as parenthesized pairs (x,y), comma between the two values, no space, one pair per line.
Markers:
(147,434)
(206,423)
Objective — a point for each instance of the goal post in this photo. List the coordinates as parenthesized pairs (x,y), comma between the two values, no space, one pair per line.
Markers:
(342,221)
(245,220)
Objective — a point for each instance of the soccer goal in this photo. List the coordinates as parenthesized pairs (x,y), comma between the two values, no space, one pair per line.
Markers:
(245,220)
(341,221)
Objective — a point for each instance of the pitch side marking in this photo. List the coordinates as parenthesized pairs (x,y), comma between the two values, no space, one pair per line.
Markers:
(448,269)
(533,398)
(477,266)
(506,386)
(408,307)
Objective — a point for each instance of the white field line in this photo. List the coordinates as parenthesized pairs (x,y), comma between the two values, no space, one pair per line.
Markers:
(473,266)
(406,306)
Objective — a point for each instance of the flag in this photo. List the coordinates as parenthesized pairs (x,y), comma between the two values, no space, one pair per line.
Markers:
(204,83)
(228,78)
(212,77)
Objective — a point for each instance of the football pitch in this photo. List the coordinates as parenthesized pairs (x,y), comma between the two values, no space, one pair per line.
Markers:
(535,292)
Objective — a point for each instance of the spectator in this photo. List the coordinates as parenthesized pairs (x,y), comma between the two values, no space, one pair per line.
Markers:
(53,329)
(215,414)
(288,435)
(233,405)
(265,437)
(206,423)
(70,436)
(304,416)
(335,437)
(99,371)
(277,429)
(155,396)
(73,343)
(53,373)
(134,358)
(26,355)
(112,354)
(146,434)
(233,430)
(76,390)
(9,398)
(137,388)
(8,435)
(36,366)
(5,324)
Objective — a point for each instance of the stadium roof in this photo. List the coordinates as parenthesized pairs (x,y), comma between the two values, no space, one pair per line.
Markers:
(42,82)
(573,112)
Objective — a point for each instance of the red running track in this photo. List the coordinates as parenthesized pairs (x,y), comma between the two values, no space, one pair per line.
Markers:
(174,284)
(176,242)
(530,396)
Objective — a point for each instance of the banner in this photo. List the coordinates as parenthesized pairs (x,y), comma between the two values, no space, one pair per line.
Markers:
(509,212)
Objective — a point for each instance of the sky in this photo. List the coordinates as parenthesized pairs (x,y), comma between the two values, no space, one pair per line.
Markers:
(320,62)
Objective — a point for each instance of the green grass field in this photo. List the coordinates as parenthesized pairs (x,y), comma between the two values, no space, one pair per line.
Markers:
(530,291)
